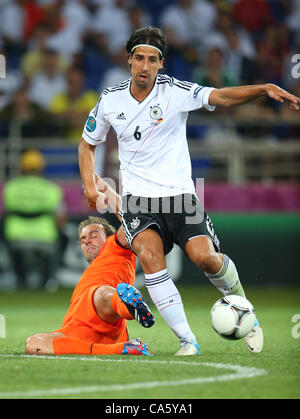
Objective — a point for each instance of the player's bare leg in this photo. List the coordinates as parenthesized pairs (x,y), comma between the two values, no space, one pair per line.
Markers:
(125,302)
(219,268)
(148,246)
(222,272)
(103,306)
(202,253)
(56,343)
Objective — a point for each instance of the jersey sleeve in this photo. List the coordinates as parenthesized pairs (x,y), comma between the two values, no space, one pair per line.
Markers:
(193,97)
(96,126)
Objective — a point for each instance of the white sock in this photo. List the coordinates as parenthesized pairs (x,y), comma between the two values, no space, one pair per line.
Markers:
(227,279)
(167,299)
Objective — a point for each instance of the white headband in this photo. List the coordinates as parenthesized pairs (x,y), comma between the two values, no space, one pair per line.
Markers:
(147,45)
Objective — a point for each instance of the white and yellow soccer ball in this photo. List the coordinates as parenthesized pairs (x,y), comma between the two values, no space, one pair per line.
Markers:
(233,317)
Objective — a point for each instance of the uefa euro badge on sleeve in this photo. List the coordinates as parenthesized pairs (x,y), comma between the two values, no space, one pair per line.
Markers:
(91,124)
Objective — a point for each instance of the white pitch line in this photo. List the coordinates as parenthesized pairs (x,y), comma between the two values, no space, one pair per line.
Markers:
(239,372)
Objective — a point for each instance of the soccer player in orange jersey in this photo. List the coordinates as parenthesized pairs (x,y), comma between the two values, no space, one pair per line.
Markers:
(102,301)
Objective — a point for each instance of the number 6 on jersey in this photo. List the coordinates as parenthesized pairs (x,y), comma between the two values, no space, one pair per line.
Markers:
(137,134)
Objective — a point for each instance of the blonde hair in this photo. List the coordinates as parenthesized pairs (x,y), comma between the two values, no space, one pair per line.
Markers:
(108,228)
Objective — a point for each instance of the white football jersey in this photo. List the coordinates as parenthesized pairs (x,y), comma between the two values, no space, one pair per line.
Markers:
(153,151)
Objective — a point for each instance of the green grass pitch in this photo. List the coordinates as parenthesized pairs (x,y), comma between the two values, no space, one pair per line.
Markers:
(225,369)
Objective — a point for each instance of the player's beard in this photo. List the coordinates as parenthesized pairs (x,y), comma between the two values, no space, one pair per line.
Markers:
(143,83)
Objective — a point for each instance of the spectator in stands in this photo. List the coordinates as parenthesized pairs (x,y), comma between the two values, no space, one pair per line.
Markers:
(118,72)
(214,72)
(34,215)
(89,34)
(32,61)
(45,85)
(25,116)
(112,21)
(138,18)
(225,24)
(185,23)
(71,107)
(12,31)
(94,59)
(294,17)
(34,14)
(280,10)
(253,15)
(240,64)
(12,22)
(71,19)
(155,8)
(13,81)
(272,50)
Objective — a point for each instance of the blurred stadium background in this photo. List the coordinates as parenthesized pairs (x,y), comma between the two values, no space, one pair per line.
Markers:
(59,55)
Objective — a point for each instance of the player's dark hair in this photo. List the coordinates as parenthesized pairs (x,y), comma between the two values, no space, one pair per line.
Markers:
(108,228)
(150,36)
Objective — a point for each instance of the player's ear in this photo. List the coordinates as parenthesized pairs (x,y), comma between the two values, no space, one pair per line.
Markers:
(130,59)
(161,63)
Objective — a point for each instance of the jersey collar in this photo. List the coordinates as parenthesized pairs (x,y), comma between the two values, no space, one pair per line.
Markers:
(150,95)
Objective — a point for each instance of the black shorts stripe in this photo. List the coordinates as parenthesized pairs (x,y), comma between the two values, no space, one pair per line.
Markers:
(128,236)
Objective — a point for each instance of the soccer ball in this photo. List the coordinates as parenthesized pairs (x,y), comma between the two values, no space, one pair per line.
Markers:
(233,317)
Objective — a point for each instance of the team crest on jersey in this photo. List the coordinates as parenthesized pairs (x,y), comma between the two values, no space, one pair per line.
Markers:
(91,124)
(135,223)
(155,112)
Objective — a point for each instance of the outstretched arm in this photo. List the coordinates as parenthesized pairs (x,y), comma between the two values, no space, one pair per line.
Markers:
(230,96)
(86,159)
(113,199)
(97,192)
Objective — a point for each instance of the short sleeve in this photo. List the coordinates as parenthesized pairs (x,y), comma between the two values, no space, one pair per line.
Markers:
(96,126)
(195,97)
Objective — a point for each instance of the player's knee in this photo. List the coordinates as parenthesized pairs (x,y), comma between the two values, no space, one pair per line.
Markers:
(102,299)
(208,262)
(148,247)
(149,257)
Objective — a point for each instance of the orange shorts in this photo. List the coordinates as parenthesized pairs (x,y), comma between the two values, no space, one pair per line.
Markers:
(83,322)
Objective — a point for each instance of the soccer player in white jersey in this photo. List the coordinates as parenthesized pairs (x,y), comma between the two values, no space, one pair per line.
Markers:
(149,113)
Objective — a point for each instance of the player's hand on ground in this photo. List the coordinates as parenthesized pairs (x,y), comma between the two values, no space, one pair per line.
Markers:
(281,95)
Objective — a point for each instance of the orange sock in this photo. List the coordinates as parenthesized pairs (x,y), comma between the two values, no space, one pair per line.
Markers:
(69,345)
(119,307)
